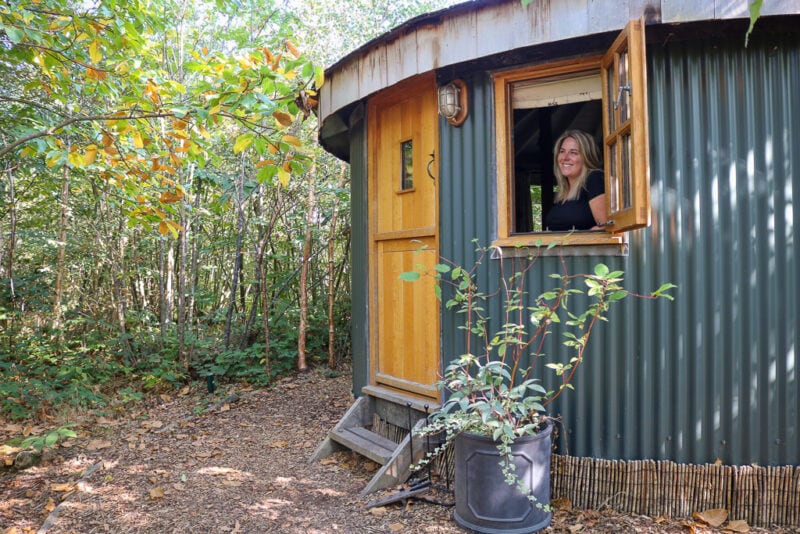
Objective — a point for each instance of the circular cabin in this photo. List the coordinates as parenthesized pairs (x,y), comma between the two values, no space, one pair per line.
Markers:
(448,122)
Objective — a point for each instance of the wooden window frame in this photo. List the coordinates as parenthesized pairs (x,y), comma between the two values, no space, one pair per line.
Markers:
(631,39)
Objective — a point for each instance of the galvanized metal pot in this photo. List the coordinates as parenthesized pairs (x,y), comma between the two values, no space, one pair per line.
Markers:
(484,501)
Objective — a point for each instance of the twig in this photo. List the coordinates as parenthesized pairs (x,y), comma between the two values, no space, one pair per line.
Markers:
(51,519)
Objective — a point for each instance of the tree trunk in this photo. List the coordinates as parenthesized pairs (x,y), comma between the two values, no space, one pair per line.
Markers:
(303,327)
(237,262)
(62,245)
(331,272)
(182,353)
(12,240)
(194,258)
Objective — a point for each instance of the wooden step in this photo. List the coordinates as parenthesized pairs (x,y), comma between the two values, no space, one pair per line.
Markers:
(366,443)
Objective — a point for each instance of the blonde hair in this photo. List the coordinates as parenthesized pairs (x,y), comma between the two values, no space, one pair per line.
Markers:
(591,162)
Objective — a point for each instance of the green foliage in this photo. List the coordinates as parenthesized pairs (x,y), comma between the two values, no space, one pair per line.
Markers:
(495,389)
(755,13)
(39,443)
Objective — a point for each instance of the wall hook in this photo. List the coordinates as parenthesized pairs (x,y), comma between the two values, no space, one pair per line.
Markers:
(433,158)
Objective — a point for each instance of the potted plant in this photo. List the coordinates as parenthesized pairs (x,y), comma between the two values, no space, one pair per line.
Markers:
(495,400)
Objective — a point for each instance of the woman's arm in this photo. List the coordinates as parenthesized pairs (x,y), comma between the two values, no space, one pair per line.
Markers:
(598,207)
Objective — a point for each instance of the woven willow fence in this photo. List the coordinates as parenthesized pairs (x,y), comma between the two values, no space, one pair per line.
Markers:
(762,496)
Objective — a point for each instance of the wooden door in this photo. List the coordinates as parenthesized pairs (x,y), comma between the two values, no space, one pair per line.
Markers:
(404,316)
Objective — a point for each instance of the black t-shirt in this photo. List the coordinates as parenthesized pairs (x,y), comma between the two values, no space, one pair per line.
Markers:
(576,214)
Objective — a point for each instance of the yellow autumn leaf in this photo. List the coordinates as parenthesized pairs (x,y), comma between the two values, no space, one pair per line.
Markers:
(205,50)
(242,142)
(76,159)
(94,52)
(179,124)
(283,177)
(214,110)
(137,140)
(264,163)
(292,49)
(90,155)
(206,135)
(169,197)
(319,77)
(292,140)
(163,229)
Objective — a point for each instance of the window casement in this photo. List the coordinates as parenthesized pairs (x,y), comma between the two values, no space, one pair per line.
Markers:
(604,95)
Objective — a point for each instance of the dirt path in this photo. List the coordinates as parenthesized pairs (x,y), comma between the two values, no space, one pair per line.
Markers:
(239,467)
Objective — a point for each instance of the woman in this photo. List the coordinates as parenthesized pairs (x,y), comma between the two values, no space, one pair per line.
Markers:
(580,202)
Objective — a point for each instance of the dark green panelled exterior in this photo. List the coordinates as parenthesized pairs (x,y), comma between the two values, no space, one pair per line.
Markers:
(715,373)
(359,253)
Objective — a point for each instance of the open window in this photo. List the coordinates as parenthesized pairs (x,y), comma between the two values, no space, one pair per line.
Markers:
(604,96)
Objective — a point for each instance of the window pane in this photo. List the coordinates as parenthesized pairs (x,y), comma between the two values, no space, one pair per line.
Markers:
(612,98)
(613,179)
(407,174)
(627,190)
(623,95)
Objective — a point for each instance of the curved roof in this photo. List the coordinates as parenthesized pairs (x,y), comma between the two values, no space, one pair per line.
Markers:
(481,28)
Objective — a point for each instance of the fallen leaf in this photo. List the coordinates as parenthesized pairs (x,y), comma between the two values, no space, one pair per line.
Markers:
(225,407)
(97,444)
(165,397)
(279,444)
(233,483)
(27,431)
(12,530)
(50,506)
(562,503)
(156,493)
(184,391)
(737,525)
(328,461)
(153,480)
(5,449)
(62,487)
(179,486)
(713,517)
(576,528)
(152,424)
(396,527)
(378,511)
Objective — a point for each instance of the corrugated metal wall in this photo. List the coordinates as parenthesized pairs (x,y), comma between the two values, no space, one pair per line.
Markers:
(359,251)
(713,374)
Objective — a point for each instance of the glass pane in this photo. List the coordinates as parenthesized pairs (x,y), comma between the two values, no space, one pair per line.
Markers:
(407,174)
(627,190)
(624,95)
(612,176)
(612,98)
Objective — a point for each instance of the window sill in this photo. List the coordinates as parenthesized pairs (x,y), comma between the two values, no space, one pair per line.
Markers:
(561,244)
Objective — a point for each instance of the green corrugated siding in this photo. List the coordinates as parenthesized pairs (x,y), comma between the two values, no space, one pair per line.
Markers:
(713,374)
(359,254)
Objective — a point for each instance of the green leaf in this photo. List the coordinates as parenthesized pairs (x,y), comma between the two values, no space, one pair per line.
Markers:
(601,270)
(755,12)
(15,35)
(409,276)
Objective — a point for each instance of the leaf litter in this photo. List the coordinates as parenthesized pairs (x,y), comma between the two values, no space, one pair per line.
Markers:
(242,467)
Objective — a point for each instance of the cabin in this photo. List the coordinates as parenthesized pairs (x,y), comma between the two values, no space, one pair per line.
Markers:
(448,123)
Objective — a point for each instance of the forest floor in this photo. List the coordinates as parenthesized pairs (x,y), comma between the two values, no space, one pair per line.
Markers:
(190,462)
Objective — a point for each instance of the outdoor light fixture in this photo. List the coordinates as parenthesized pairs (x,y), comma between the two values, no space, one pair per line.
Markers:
(453,102)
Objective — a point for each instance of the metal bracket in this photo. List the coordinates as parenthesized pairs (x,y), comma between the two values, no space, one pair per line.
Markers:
(622,88)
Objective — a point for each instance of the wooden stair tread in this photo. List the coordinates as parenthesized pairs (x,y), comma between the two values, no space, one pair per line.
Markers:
(365,442)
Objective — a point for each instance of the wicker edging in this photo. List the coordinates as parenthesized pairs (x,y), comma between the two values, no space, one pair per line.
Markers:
(762,496)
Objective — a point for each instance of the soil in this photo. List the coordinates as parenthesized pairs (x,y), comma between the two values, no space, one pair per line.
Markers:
(236,463)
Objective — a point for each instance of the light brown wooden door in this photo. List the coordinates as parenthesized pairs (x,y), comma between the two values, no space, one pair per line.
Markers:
(404,316)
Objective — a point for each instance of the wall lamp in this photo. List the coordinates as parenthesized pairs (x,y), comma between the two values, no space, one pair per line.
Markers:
(453,102)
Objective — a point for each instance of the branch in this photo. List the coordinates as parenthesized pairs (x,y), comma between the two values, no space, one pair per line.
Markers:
(88,118)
